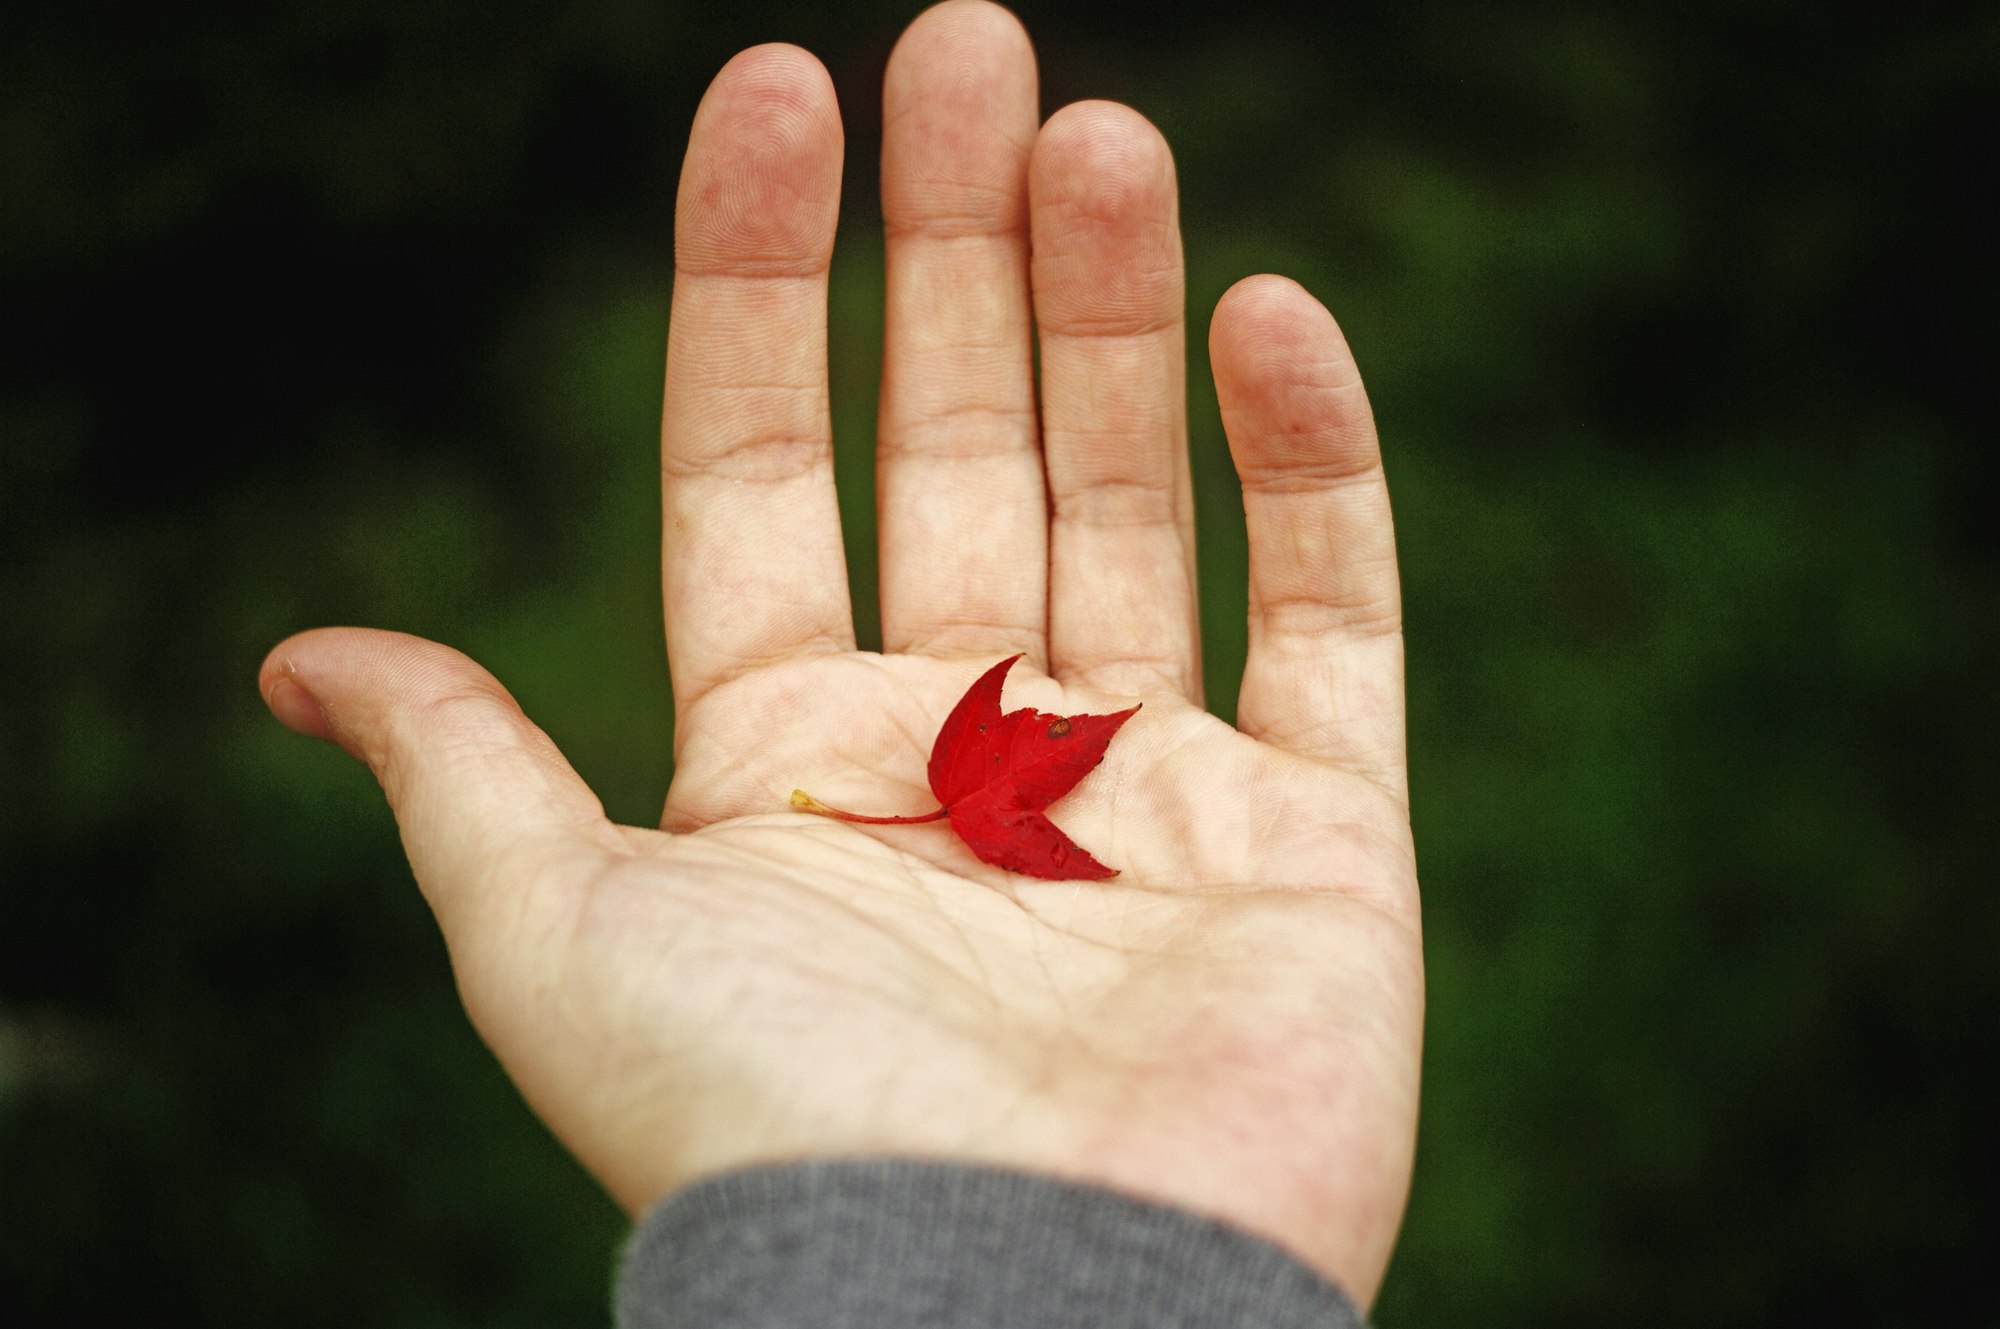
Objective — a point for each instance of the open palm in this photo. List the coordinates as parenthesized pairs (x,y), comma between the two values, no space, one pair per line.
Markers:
(1231,1024)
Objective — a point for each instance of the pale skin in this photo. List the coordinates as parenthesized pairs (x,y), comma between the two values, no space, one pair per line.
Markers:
(1233,1024)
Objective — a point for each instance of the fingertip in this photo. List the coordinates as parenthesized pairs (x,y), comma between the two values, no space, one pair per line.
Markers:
(783,72)
(961,102)
(760,188)
(1267,325)
(1263,298)
(1107,159)
(463,769)
(965,34)
(291,696)
(1105,213)
(296,709)
(351,686)
(1293,404)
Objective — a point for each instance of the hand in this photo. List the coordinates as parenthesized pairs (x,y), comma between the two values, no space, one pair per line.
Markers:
(1232,1025)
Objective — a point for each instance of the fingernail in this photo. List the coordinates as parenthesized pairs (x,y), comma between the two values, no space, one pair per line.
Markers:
(296,709)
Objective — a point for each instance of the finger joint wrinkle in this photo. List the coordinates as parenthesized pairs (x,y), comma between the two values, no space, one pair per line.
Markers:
(758,459)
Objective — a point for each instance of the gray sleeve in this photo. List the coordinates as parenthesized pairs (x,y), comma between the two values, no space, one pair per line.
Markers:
(885,1244)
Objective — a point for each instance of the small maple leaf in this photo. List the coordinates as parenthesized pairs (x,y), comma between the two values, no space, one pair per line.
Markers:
(993,774)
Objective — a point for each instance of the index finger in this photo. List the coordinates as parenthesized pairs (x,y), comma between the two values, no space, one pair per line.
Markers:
(753,570)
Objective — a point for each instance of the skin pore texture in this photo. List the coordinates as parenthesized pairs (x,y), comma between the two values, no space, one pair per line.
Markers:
(1231,1025)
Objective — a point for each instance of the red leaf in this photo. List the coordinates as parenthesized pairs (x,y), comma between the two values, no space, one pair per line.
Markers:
(993,774)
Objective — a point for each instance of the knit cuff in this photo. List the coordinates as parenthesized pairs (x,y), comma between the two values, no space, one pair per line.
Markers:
(888,1243)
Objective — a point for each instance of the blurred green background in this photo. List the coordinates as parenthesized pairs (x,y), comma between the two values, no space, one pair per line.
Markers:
(1674,321)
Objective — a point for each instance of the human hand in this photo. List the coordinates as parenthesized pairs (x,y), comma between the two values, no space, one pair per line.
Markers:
(1231,1025)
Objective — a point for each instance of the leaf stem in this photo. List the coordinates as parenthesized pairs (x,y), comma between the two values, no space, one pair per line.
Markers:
(805,802)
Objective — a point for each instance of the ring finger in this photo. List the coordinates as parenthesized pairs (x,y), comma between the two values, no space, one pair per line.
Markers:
(1109,308)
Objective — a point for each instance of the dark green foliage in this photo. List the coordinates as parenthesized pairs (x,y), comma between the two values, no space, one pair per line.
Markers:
(354,312)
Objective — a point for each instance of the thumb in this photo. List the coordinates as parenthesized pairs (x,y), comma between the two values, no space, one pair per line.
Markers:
(499,829)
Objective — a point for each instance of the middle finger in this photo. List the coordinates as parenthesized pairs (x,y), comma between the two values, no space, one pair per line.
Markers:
(964,535)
